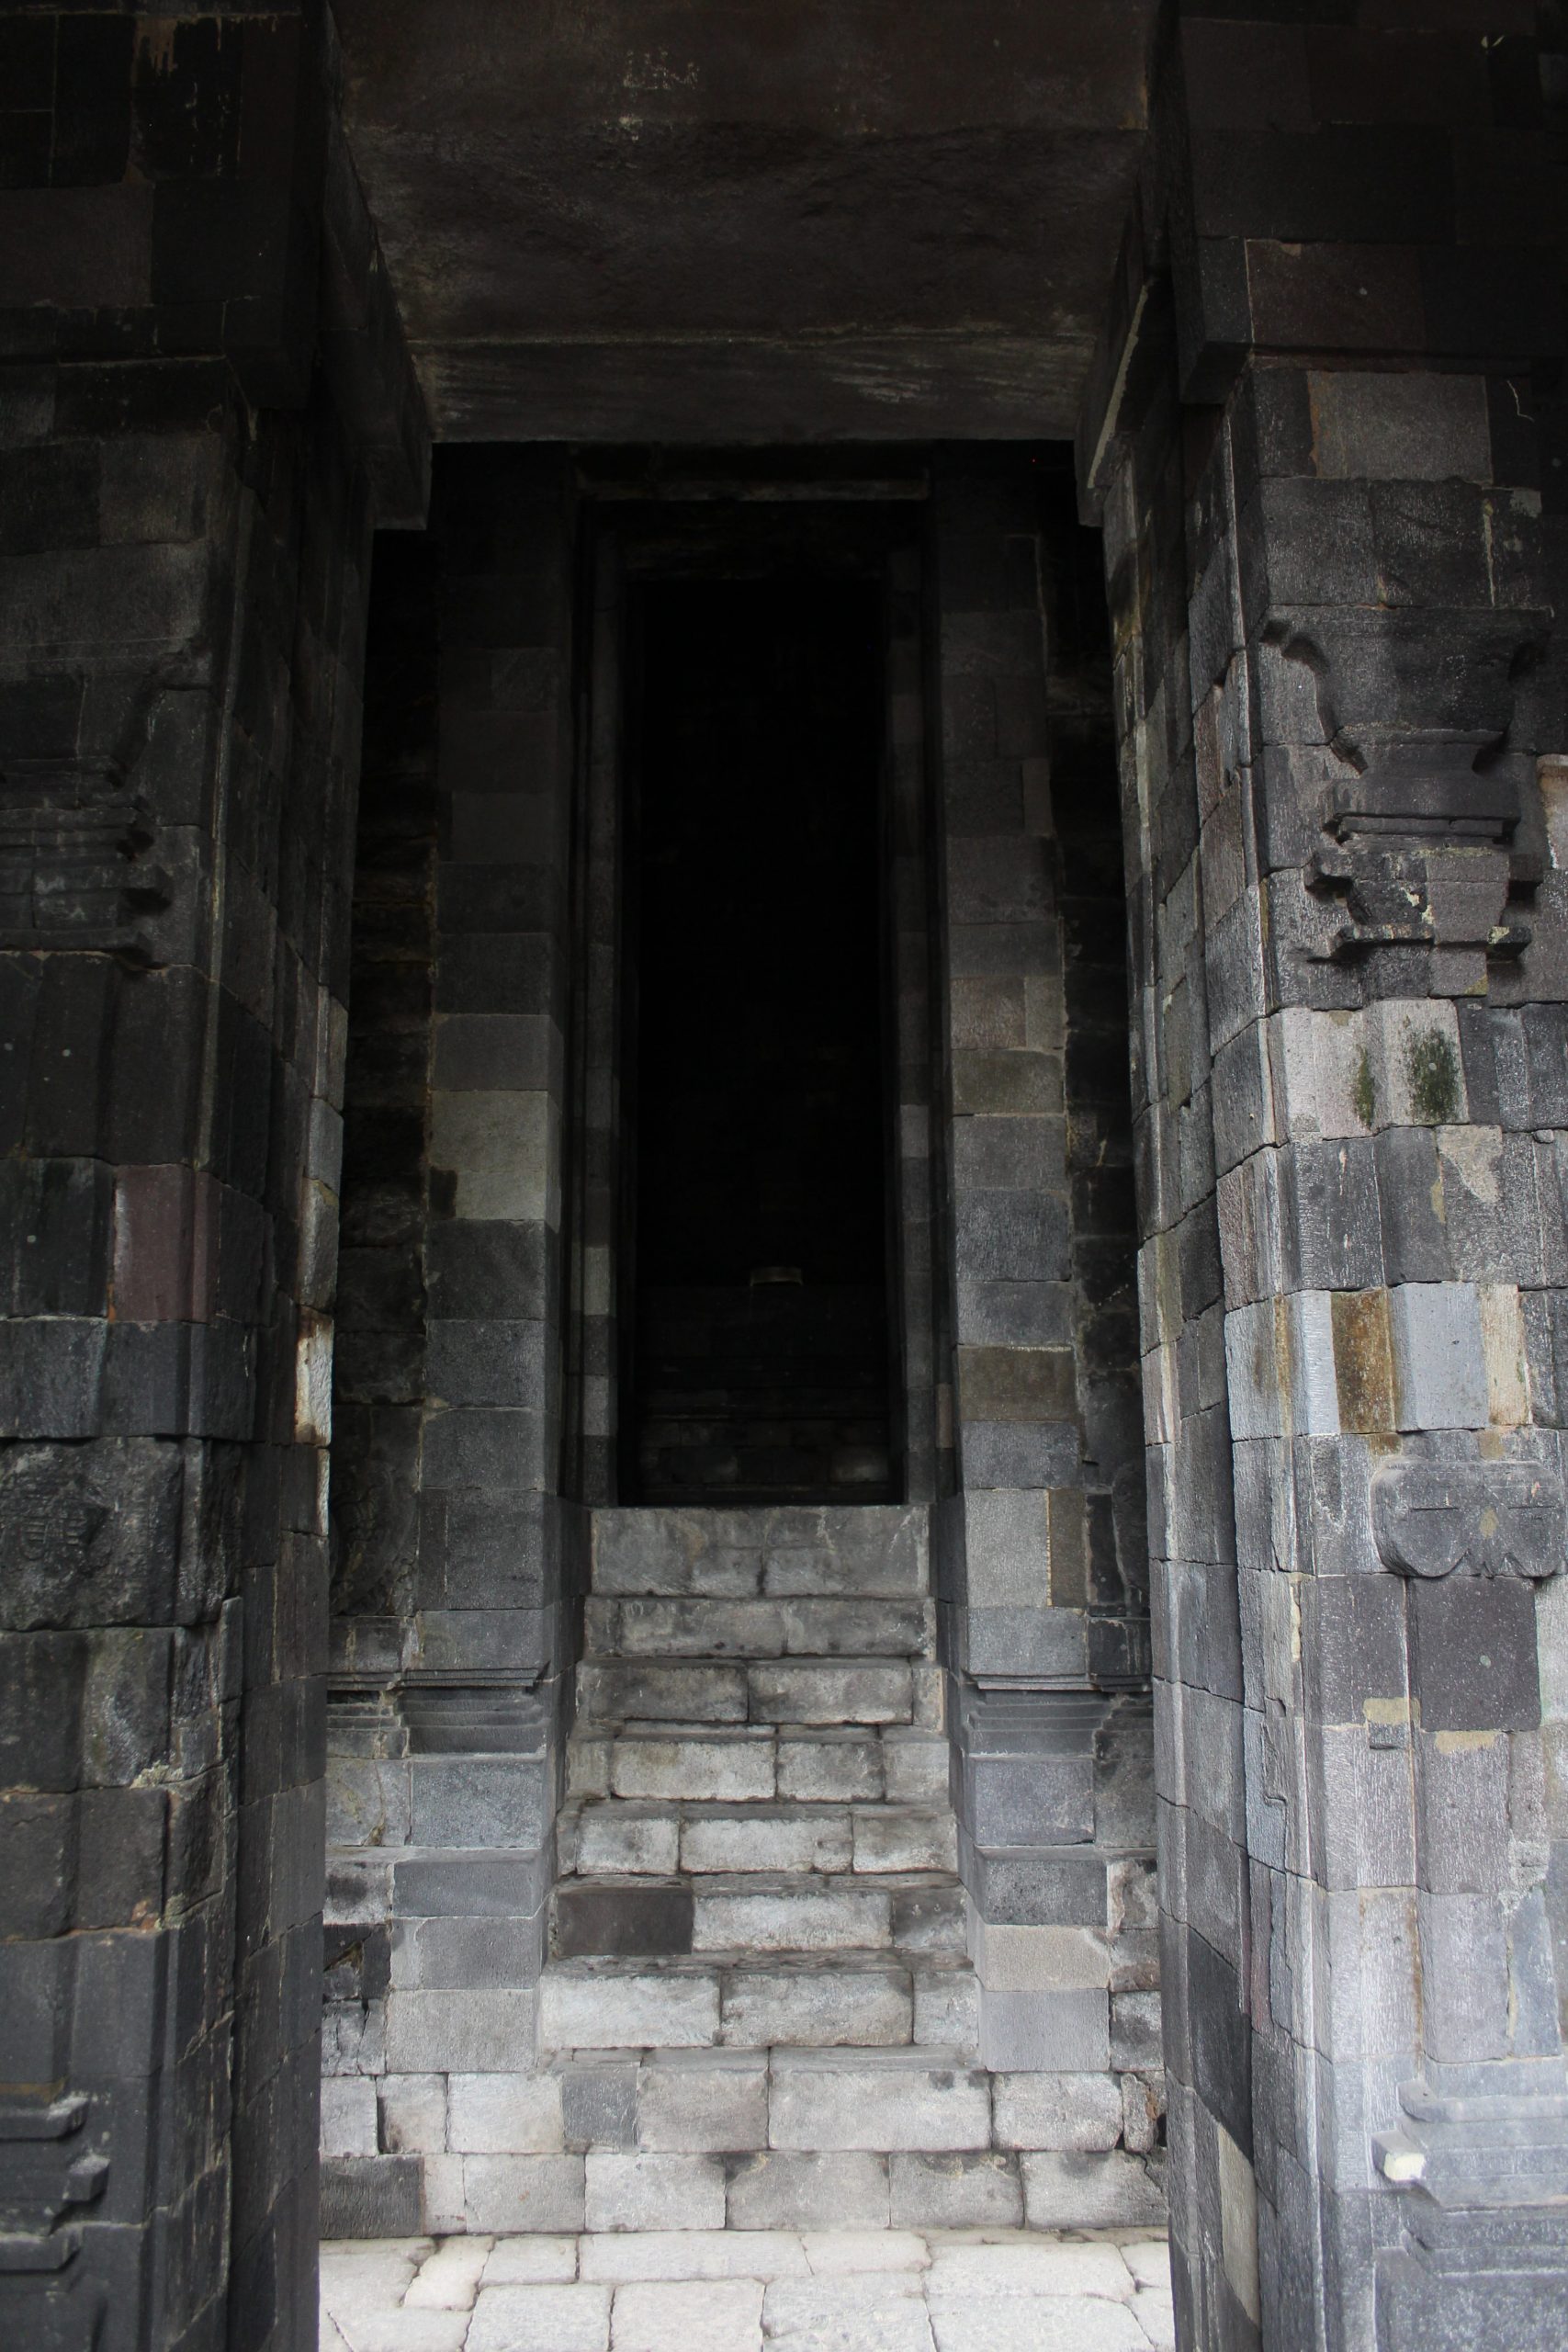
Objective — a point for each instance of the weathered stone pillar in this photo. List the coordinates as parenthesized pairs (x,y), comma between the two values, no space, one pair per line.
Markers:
(1040,1551)
(459,1563)
(184,542)
(1329,507)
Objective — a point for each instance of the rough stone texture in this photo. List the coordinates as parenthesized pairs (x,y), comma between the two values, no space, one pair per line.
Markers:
(1326,684)
(195,436)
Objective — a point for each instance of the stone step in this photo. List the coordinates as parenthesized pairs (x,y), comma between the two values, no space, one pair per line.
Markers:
(844,1552)
(744,2000)
(742,1764)
(611,1690)
(730,2102)
(759,1629)
(758,1912)
(629,1839)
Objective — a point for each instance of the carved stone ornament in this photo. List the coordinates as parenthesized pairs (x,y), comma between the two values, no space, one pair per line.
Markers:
(1432,1518)
(1419,852)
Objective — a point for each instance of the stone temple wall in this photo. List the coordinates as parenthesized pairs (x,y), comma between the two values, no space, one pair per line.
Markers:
(1333,533)
(196,431)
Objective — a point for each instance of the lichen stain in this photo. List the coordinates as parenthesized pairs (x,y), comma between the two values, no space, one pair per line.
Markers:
(1364,1094)
(1363,1361)
(1431,1072)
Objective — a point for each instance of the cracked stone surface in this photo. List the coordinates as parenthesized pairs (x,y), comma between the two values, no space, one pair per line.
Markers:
(751,2290)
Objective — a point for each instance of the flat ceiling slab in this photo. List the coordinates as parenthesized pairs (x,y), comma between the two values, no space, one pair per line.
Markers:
(748,219)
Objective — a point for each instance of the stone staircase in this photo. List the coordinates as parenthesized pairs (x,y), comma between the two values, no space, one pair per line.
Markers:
(757,1935)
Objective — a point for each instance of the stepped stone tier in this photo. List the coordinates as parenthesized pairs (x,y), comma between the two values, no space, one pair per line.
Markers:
(763,1999)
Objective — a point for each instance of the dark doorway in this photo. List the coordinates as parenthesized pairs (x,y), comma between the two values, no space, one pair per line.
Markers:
(757,1358)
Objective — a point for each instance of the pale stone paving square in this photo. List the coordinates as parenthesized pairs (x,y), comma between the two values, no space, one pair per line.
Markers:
(820,2289)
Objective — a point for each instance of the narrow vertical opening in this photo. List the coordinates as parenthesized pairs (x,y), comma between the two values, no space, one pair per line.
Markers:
(755,1363)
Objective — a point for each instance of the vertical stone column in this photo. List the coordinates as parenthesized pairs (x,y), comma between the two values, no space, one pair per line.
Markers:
(449,1663)
(183,550)
(1332,586)
(1050,1764)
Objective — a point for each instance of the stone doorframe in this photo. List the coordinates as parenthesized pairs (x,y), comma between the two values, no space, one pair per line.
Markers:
(633,529)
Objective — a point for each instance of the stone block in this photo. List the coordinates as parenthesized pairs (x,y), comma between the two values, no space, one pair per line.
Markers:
(947,2008)
(460,2032)
(904,1837)
(598,2103)
(778,2190)
(915,1766)
(1438,1356)
(841,2099)
(818,1691)
(518,2114)
(827,1767)
(960,2189)
(1110,2191)
(476,1801)
(503,2194)
(735,1768)
(467,1954)
(620,2010)
(886,2310)
(1474,1662)
(790,1917)
(664,2315)
(816,2006)
(792,1838)
(614,1918)
(637,2191)
(544,2317)
(628,1840)
(660,1691)
(413,2114)
(1080,2112)
(1031,2032)
(348,2116)
(704,2104)
(1136,2040)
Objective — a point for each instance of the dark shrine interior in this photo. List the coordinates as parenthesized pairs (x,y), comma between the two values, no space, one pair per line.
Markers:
(757,1358)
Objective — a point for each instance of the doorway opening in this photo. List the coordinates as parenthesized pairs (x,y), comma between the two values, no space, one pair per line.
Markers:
(757,1225)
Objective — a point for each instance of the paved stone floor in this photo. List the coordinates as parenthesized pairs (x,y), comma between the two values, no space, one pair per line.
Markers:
(751,2290)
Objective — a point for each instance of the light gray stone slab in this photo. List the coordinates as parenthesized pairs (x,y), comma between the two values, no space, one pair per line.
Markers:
(1110,2191)
(694,2254)
(1063,2111)
(882,2101)
(905,1838)
(704,2102)
(735,1767)
(882,2313)
(956,2190)
(816,2008)
(716,2316)
(826,1767)
(502,2195)
(842,1915)
(628,2011)
(654,2192)
(808,2192)
(541,2319)
(794,1838)
(830,1690)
